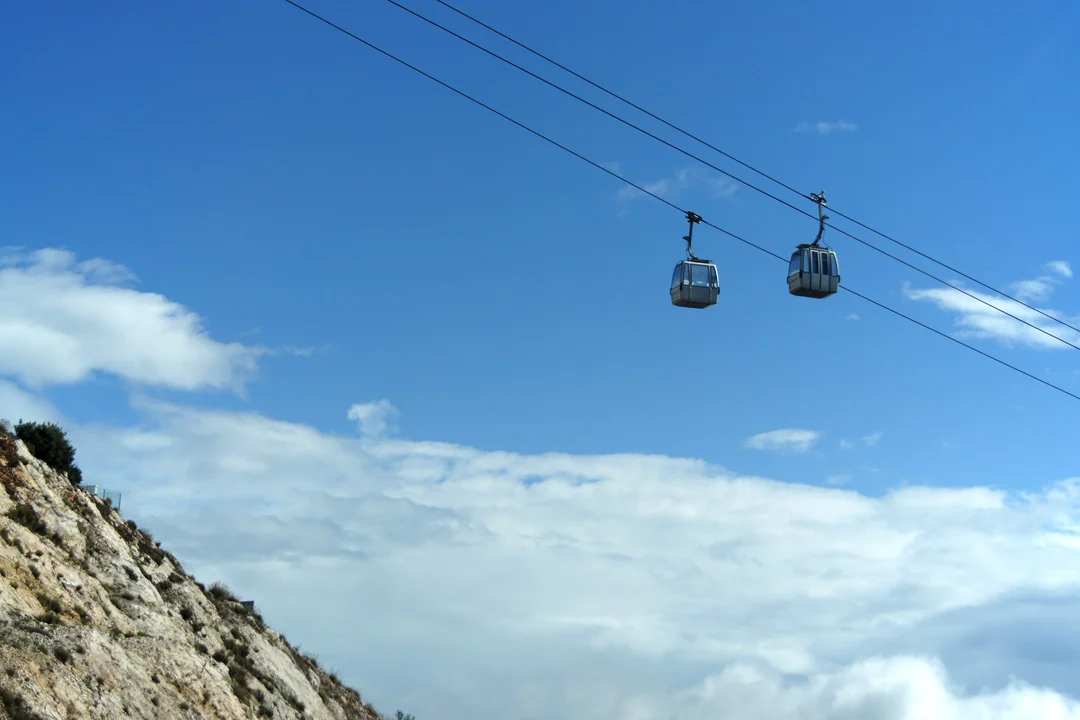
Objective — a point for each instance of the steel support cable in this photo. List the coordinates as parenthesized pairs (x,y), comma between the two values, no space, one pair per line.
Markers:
(616,175)
(749,167)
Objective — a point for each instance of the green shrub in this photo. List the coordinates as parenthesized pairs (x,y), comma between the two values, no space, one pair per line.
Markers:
(28,517)
(49,603)
(221,591)
(48,442)
(14,705)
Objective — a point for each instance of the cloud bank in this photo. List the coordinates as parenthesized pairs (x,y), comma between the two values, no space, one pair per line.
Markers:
(463,583)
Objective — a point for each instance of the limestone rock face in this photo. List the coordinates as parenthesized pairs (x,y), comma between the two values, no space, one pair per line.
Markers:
(97,621)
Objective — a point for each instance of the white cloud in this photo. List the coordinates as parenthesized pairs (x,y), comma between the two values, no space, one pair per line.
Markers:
(1061,267)
(673,187)
(983,319)
(900,688)
(16,404)
(868,440)
(373,418)
(851,316)
(824,128)
(1039,289)
(614,587)
(792,439)
(613,166)
(62,321)
(296,351)
(873,438)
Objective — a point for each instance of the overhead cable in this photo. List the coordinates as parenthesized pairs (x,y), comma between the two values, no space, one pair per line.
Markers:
(618,176)
(744,164)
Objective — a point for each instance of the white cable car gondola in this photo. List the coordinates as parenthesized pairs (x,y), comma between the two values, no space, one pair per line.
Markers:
(814,271)
(694,282)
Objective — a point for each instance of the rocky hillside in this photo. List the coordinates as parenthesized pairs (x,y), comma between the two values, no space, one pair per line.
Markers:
(97,621)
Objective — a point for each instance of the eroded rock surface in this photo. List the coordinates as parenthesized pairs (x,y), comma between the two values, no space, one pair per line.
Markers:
(97,621)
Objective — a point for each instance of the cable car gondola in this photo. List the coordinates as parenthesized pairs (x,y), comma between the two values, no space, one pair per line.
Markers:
(695,282)
(814,271)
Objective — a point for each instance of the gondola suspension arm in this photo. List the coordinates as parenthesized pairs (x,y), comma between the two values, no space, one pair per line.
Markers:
(819,198)
(692,218)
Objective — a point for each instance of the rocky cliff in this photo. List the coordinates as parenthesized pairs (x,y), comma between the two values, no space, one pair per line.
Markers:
(97,621)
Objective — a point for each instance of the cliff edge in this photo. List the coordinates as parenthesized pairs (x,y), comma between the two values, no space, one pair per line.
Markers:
(98,621)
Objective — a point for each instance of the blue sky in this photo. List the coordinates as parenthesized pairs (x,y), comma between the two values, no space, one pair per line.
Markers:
(347,232)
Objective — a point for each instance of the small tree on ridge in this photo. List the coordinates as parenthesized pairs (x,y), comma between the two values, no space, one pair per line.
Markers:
(49,443)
